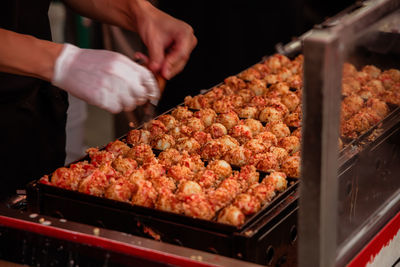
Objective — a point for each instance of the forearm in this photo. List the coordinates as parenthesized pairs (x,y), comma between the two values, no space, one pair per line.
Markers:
(122,13)
(26,55)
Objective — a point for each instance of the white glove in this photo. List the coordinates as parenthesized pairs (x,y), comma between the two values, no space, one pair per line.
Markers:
(103,78)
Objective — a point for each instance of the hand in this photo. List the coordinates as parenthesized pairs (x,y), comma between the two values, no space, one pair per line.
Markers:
(169,41)
(103,78)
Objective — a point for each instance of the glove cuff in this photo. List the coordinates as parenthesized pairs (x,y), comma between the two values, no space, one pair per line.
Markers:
(63,62)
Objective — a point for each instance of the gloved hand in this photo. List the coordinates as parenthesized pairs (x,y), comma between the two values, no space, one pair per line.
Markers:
(103,78)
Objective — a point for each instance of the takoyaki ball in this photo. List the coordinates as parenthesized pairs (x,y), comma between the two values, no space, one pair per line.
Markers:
(372,71)
(163,142)
(290,143)
(179,172)
(359,123)
(258,102)
(214,94)
(117,148)
(206,178)
(219,197)
(195,124)
(379,106)
(276,62)
(271,78)
(223,105)
(281,88)
(202,137)
(232,185)
(120,190)
(228,142)
(197,102)
(231,215)
(192,161)
(135,137)
(188,144)
(278,180)
(241,132)
(392,97)
(207,116)
(144,194)
(140,153)
(295,67)
(213,150)
(350,85)
(351,105)
(267,162)
(295,81)
(248,204)
(376,86)
(167,201)
(280,153)
(247,176)
(293,119)
(297,133)
(221,168)
(263,192)
(283,74)
(155,127)
(124,166)
(109,171)
(136,175)
(248,112)
(291,166)
(228,119)
(181,113)
(65,178)
(163,182)
(268,138)
(239,156)
(236,100)
(169,157)
(278,128)
(94,184)
(99,157)
(246,95)
(197,206)
(258,87)
(216,130)
(180,131)
(168,120)
(349,70)
(256,146)
(262,68)
(235,83)
(187,188)
(389,78)
(270,114)
(255,126)
(290,100)
(153,170)
(250,74)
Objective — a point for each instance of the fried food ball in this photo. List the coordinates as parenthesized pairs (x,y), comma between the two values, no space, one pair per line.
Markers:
(153,170)
(290,100)
(228,119)
(188,144)
(167,201)
(379,106)
(197,102)
(372,71)
(232,185)
(241,132)
(267,162)
(239,156)
(246,95)
(180,131)
(359,123)
(161,182)
(213,150)
(278,180)
(221,168)
(280,153)
(99,157)
(120,190)
(65,178)
(281,88)
(268,138)
(135,137)
(155,127)
(278,128)
(247,176)
(169,157)
(297,133)
(168,120)
(94,184)
(248,112)
(179,172)
(349,70)
(295,81)
(117,148)
(231,215)
(202,137)
(163,142)
(250,74)
(207,116)
(256,146)
(206,178)
(270,114)
(247,204)
(144,194)
(350,85)
(217,130)
(255,126)
(263,192)
(291,166)
(181,113)
(235,83)
(187,188)
(228,142)
(136,175)
(271,78)
(192,161)
(124,166)
(223,105)
(195,124)
(290,143)
(140,153)
(219,198)
(293,119)
(258,87)
(197,206)
(283,74)
(258,102)
(351,105)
